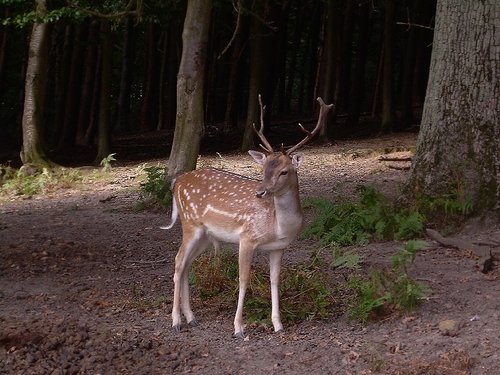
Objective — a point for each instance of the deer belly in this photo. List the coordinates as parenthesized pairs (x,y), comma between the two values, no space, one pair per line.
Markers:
(222,234)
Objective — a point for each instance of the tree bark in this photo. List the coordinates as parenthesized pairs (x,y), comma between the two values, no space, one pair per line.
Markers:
(189,124)
(36,77)
(458,146)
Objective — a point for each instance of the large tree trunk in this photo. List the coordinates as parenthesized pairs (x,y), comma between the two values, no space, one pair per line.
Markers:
(458,146)
(36,78)
(189,124)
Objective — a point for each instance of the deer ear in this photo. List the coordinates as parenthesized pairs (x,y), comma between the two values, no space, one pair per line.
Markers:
(297,160)
(258,156)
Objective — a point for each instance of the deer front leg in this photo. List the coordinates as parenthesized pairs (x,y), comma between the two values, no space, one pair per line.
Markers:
(245,260)
(274,275)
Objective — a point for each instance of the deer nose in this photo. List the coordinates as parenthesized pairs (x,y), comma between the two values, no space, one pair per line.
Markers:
(260,193)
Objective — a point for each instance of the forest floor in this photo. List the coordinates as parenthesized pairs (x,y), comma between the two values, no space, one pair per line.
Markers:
(78,296)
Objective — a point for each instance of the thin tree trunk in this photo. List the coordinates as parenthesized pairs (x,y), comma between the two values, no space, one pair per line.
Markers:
(3,50)
(126,75)
(103,142)
(88,83)
(387,106)
(36,77)
(189,125)
(149,108)
(62,82)
(358,82)
(69,128)
(231,115)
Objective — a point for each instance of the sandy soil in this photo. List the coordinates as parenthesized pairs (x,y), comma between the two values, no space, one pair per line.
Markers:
(76,296)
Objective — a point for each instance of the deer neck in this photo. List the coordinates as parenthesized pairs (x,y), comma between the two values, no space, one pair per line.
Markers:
(288,211)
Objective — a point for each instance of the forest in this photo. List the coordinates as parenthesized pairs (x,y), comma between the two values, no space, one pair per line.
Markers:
(369,58)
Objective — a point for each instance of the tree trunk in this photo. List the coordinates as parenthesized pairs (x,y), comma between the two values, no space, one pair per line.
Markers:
(69,128)
(149,107)
(90,65)
(261,70)
(358,82)
(36,77)
(126,75)
(458,146)
(331,61)
(387,109)
(3,50)
(103,140)
(232,101)
(189,124)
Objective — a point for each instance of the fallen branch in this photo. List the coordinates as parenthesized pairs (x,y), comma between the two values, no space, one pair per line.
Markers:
(386,158)
(485,258)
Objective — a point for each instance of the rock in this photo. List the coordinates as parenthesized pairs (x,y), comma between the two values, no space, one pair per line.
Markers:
(449,327)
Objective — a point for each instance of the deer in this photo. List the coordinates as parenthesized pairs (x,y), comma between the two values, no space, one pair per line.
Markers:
(219,206)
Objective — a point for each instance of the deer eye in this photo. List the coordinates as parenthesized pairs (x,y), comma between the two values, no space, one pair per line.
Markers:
(283,173)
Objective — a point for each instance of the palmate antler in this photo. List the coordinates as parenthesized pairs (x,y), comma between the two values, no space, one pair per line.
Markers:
(323,111)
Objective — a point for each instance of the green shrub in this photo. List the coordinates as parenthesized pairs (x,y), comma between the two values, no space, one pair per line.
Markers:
(389,289)
(155,187)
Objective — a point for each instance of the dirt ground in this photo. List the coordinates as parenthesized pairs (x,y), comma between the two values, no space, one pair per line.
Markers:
(78,296)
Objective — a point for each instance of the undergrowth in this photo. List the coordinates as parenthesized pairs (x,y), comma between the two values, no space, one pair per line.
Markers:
(356,223)
(304,291)
(29,180)
(388,289)
(154,190)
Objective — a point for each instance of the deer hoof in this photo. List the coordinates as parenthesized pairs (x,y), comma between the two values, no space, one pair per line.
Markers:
(240,335)
(194,323)
(177,328)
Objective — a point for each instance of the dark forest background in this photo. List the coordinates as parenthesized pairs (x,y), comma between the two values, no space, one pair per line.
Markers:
(369,58)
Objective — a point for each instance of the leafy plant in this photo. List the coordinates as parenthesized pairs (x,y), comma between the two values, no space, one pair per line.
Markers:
(348,223)
(155,187)
(388,289)
(106,162)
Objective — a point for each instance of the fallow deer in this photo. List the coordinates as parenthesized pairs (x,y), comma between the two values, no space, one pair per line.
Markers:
(216,205)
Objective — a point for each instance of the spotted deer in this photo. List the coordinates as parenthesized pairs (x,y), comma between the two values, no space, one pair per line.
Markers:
(215,205)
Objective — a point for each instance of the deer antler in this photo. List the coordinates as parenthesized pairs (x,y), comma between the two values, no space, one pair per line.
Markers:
(323,111)
(265,143)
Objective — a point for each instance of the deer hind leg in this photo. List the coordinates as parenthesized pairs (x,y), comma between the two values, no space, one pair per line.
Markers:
(274,273)
(193,244)
(246,252)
